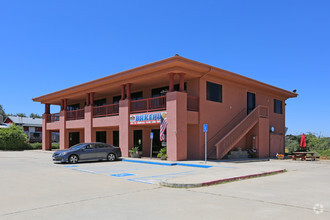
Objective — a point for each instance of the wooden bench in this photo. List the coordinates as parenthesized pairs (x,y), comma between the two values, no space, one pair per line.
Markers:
(312,157)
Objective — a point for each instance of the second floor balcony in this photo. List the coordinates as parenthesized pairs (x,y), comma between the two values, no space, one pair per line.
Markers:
(136,106)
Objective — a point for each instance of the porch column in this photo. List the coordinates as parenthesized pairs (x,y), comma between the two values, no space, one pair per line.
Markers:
(128,91)
(65,104)
(124,127)
(91,98)
(123,92)
(176,106)
(62,104)
(171,82)
(89,134)
(47,108)
(46,135)
(87,99)
(181,82)
(64,143)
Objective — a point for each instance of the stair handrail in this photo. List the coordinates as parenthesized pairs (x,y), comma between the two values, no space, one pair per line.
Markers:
(249,121)
(224,130)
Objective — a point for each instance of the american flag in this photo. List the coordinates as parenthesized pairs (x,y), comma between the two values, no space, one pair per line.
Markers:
(163,125)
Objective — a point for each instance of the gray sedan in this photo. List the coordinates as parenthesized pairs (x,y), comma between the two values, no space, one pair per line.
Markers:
(87,151)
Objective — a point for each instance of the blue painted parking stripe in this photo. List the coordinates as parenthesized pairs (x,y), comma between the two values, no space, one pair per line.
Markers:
(71,166)
(86,171)
(149,162)
(122,174)
(193,165)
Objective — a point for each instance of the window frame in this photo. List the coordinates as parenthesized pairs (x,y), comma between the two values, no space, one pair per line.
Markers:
(280,104)
(209,92)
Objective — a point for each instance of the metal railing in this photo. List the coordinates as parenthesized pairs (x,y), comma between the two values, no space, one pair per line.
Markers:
(235,135)
(75,114)
(106,110)
(147,105)
(192,103)
(53,117)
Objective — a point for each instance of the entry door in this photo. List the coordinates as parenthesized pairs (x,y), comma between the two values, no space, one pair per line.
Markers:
(251,102)
(138,138)
(115,138)
(155,142)
(101,136)
(74,138)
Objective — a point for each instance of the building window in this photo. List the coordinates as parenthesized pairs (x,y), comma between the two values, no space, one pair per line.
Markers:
(277,106)
(73,107)
(116,99)
(136,95)
(100,102)
(213,92)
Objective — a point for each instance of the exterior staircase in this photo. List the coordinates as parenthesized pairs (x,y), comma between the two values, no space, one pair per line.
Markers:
(226,139)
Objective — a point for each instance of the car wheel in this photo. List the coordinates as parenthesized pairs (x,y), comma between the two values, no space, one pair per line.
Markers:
(111,157)
(73,159)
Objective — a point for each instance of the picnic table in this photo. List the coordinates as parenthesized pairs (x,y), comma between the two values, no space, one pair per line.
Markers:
(303,155)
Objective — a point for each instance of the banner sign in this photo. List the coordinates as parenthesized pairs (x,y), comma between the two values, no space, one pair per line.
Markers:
(149,118)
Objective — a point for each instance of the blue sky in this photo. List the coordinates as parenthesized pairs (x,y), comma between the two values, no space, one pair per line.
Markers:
(46,46)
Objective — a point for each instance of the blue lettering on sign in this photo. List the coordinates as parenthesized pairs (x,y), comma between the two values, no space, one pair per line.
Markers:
(148,117)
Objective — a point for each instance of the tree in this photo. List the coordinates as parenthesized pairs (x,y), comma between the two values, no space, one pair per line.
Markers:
(32,115)
(13,138)
(20,114)
(2,112)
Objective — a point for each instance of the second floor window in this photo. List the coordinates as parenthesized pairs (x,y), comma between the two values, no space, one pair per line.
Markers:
(278,106)
(100,102)
(213,92)
(73,107)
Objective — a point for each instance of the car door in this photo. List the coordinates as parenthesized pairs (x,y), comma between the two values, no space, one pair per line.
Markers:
(88,153)
(101,151)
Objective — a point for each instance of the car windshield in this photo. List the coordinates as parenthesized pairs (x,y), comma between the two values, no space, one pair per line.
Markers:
(78,146)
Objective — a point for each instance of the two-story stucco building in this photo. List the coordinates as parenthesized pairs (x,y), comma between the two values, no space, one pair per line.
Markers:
(124,108)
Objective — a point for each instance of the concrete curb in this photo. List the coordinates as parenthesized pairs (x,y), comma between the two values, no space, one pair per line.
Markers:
(213,182)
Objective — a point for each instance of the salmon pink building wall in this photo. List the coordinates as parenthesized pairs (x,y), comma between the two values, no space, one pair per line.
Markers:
(185,136)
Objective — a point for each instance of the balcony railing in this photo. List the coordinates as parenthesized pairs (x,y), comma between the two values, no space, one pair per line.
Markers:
(192,103)
(75,114)
(53,117)
(147,105)
(106,110)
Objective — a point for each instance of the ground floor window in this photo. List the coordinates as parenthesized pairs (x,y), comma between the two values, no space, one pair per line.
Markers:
(74,138)
(101,136)
(115,138)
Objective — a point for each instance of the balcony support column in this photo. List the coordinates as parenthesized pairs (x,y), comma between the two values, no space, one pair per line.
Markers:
(64,142)
(171,82)
(91,98)
(123,92)
(46,135)
(88,99)
(47,108)
(124,127)
(177,129)
(128,91)
(89,133)
(181,82)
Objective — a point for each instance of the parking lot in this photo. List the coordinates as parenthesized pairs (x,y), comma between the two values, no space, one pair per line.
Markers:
(33,187)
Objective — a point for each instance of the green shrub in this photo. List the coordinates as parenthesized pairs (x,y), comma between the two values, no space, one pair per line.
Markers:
(314,143)
(162,153)
(13,138)
(38,146)
(35,146)
(55,146)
